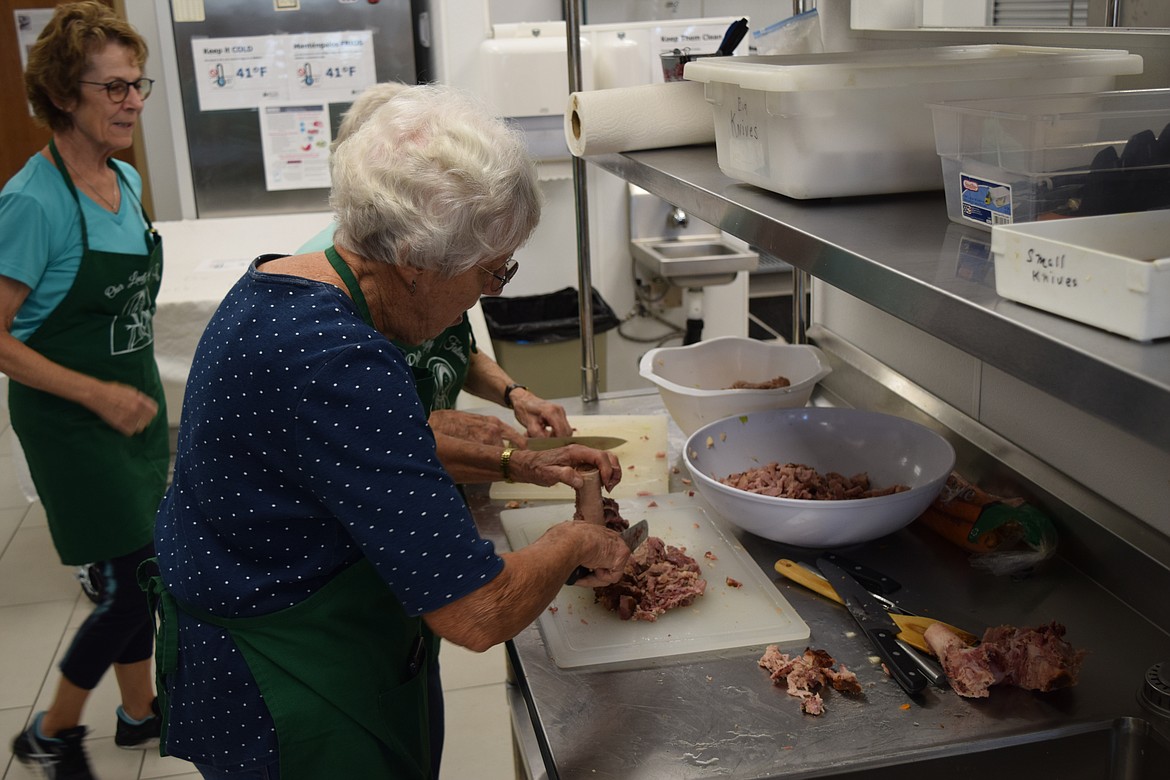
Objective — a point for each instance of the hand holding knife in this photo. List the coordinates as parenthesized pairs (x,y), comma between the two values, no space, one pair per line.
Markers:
(632,536)
(877,625)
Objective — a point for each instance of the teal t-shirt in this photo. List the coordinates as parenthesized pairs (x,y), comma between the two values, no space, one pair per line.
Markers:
(42,235)
(439,365)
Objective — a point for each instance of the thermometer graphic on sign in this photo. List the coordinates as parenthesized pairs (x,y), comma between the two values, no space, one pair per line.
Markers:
(219,79)
(308,71)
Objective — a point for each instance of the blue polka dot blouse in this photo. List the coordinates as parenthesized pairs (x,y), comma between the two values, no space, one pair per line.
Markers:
(302,448)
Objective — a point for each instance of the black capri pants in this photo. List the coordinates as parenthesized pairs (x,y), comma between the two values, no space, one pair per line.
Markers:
(119,630)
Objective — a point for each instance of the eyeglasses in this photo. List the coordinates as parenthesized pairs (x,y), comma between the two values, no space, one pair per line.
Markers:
(119,90)
(500,279)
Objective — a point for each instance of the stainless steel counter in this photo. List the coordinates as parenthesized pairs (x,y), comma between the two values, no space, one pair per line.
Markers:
(720,716)
(903,255)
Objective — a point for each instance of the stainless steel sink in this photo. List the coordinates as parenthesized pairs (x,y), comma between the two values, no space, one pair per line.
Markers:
(693,261)
(685,251)
(1123,749)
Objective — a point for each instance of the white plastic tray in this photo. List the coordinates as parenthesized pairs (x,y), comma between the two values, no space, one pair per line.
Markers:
(1111,271)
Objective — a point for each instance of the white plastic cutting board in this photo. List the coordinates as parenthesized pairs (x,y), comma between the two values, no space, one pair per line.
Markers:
(579,632)
(644,458)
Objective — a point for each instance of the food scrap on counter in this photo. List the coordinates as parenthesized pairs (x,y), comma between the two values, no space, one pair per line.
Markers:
(805,674)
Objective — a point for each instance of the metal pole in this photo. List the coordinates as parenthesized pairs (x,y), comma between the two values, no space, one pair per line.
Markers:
(800,308)
(589,369)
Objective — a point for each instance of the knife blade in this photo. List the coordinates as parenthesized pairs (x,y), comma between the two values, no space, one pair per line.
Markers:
(632,536)
(877,625)
(539,444)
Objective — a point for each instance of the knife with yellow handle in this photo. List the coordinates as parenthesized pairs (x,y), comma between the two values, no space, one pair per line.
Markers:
(910,627)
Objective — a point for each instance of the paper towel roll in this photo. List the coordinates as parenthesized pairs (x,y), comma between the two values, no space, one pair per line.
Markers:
(646,117)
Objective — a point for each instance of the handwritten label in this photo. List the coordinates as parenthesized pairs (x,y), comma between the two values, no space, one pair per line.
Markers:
(745,132)
(1049,270)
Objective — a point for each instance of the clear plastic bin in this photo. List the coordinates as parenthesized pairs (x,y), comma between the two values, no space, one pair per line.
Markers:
(1011,160)
(857,123)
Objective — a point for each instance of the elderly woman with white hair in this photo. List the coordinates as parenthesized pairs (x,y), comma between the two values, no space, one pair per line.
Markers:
(470,445)
(312,548)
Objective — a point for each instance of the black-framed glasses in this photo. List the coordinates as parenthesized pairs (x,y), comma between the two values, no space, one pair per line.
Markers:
(119,89)
(500,279)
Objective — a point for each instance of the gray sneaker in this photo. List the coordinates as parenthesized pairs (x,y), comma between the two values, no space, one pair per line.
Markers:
(61,757)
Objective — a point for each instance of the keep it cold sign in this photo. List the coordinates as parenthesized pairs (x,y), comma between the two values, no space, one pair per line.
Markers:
(245,72)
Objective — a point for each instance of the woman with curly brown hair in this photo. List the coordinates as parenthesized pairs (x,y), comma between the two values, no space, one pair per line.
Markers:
(79,270)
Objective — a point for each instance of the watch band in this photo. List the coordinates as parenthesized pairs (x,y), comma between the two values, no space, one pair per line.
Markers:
(506,463)
(508,393)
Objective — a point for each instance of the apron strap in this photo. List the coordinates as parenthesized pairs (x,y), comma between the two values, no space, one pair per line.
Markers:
(351,284)
(165,620)
(151,235)
(72,190)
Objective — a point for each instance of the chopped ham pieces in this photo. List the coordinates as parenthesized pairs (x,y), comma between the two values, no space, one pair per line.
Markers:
(795,480)
(805,674)
(658,576)
(1036,659)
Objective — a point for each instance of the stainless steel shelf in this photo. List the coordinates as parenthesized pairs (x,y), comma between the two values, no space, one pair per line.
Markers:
(903,255)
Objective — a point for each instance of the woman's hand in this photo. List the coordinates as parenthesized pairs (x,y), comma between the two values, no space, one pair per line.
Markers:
(125,409)
(538,416)
(604,554)
(481,428)
(560,465)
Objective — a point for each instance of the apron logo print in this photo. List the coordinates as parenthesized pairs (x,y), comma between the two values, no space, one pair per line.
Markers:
(133,329)
(444,376)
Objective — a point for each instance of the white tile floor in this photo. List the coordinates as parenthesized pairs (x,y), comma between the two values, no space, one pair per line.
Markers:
(41,605)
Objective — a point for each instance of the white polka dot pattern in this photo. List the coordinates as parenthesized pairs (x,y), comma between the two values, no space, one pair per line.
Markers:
(302,448)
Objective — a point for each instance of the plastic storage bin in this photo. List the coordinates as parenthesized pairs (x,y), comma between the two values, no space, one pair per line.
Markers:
(1010,160)
(857,123)
(537,339)
(1110,271)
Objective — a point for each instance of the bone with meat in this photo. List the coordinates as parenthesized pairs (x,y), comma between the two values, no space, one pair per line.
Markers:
(589,503)
(1037,659)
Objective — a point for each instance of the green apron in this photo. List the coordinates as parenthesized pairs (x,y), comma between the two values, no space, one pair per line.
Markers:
(343,673)
(440,367)
(100,489)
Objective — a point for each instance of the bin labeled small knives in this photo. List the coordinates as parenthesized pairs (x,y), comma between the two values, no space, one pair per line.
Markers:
(632,536)
(911,627)
(878,626)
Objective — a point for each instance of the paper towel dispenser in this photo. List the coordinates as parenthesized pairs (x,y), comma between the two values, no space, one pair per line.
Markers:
(525,69)
(525,76)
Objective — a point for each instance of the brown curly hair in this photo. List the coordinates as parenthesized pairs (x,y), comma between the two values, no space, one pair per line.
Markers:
(60,57)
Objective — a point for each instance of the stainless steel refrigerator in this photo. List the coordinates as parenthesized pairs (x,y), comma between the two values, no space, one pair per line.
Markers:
(225,143)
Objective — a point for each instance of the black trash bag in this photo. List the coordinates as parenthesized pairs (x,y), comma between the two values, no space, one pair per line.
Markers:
(543,319)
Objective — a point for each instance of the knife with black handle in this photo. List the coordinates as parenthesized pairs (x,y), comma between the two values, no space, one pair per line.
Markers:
(877,625)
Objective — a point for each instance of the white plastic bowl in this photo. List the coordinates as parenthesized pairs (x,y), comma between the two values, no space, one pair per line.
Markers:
(692,380)
(890,449)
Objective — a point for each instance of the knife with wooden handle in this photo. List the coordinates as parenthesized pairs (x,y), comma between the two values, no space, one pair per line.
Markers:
(910,627)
